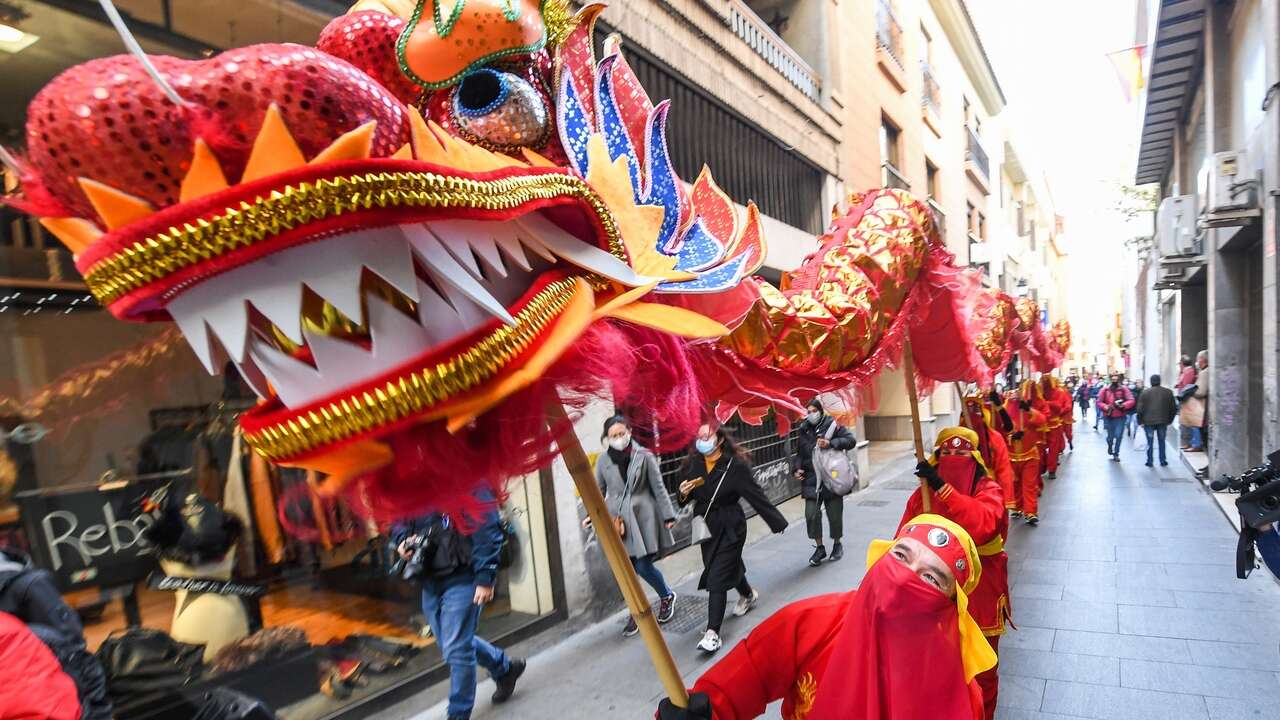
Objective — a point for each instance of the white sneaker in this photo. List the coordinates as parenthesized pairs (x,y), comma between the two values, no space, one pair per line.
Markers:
(710,642)
(744,604)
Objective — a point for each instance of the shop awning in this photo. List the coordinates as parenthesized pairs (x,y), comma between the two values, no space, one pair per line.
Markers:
(1170,84)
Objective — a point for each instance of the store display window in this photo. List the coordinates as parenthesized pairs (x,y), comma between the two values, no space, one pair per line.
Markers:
(266,588)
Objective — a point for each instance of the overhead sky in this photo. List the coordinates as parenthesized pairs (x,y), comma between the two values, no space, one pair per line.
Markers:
(1071,120)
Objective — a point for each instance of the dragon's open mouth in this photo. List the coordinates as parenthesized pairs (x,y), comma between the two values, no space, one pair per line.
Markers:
(372,294)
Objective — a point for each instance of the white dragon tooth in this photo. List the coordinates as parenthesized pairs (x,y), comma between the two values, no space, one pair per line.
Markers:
(530,241)
(254,377)
(282,305)
(437,318)
(340,363)
(339,284)
(395,336)
(447,273)
(454,234)
(295,382)
(386,254)
(471,314)
(515,251)
(216,303)
(486,246)
(582,254)
(192,326)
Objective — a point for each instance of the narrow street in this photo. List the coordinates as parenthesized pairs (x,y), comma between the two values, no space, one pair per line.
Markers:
(1124,596)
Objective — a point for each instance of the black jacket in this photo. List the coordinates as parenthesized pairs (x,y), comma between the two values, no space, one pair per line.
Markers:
(1156,406)
(722,554)
(29,594)
(486,543)
(806,440)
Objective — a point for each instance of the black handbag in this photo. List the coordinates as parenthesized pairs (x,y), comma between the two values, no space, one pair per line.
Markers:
(142,665)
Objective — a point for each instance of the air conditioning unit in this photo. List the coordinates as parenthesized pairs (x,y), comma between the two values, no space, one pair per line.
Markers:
(1231,185)
(1176,226)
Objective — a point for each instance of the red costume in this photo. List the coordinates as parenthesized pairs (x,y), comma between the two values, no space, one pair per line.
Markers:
(1026,439)
(865,654)
(975,502)
(1059,405)
(991,445)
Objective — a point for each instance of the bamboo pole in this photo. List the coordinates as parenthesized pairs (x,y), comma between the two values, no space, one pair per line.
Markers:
(575,458)
(909,371)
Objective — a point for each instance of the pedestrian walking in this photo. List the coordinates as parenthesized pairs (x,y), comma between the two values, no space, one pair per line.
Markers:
(1113,403)
(820,431)
(964,490)
(631,482)
(715,476)
(457,571)
(1131,418)
(1094,390)
(1156,409)
(1084,396)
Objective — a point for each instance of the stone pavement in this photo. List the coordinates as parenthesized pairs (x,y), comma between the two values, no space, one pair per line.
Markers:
(1125,598)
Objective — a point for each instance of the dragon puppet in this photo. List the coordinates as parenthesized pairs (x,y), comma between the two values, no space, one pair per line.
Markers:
(412,237)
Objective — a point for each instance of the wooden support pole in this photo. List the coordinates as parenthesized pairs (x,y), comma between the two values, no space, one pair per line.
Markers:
(909,371)
(575,458)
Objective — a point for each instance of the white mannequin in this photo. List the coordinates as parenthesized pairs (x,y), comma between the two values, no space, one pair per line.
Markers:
(205,618)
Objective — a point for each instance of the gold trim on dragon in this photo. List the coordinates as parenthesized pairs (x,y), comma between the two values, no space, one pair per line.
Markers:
(149,260)
(414,391)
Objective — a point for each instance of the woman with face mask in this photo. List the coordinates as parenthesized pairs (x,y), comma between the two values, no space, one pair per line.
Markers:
(631,483)
(820,430)
(715,476)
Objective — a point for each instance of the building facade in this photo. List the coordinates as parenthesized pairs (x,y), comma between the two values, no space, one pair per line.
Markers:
(1209,142)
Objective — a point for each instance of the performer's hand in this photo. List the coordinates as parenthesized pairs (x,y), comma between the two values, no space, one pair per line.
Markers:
(699,709)
(1017,435)
(995,398)
(1024,404)
(927,472)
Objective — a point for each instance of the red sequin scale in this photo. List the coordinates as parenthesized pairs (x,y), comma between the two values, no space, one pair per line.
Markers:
(367,39)
(108,121)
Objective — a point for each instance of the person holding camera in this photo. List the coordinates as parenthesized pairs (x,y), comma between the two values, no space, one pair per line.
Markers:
(458,570)
(631,483)
(820,431)
(1114,402)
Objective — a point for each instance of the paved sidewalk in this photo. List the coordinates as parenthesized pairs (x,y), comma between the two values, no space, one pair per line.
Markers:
(1125,597)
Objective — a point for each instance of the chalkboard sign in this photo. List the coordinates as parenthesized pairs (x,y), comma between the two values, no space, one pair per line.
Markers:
(90,536)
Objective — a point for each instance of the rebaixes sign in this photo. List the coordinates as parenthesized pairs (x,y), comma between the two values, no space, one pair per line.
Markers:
(90,536)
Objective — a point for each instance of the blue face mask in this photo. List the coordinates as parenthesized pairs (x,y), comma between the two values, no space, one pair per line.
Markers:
(706,447)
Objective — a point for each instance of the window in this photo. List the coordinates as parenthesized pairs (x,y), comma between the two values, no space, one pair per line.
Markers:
(970,213)
(982,226)
(890,142)
(932,181)
(891,156)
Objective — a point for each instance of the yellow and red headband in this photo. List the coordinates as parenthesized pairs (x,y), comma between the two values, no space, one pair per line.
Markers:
(959,438)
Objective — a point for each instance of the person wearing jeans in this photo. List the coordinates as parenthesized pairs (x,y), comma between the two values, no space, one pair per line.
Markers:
(1156,409)
(458,576)
(1114,402)
(631,483)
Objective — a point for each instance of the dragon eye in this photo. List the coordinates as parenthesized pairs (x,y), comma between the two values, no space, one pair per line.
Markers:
(500,110)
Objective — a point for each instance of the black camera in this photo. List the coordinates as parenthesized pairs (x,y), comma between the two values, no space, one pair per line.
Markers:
(412,567)
(1258,505)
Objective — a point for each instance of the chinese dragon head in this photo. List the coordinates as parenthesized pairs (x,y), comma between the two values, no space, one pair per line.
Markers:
(413,236)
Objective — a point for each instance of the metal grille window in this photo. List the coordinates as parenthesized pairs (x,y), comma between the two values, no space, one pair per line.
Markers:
(931,93)
(748,163)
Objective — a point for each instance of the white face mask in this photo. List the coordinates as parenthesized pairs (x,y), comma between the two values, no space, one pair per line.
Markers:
(814,417)
(621,442)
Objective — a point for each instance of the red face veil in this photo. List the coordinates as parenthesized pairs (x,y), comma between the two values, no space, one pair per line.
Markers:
(907,651)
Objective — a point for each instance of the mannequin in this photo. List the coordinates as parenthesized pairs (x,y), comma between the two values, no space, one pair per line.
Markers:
(206,618)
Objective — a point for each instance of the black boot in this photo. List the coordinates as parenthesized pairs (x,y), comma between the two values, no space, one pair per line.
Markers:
(837,551)
(819,554)
(507,683)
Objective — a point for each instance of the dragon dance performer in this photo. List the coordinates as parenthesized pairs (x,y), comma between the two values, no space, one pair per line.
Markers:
(1026,436)
(962,490)
(979,416)
(1059,406)
(902,646)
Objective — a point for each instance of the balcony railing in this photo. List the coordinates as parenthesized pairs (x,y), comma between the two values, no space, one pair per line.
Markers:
(976,155)
(889,32)
(775,51)
(939,217)
(891,177)
(931,95)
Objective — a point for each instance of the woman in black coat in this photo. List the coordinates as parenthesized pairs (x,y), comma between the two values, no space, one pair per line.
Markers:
(820,430)
(716,475)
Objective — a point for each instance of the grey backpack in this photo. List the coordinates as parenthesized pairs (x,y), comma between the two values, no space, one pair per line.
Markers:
(837,469)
